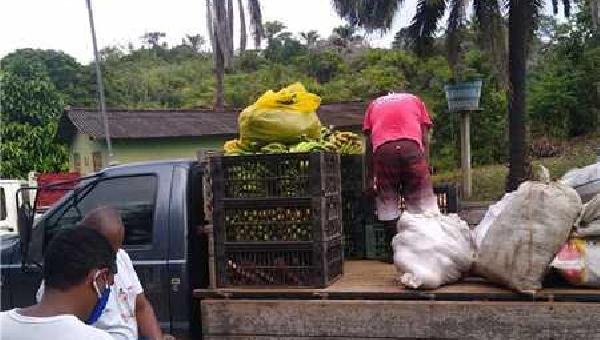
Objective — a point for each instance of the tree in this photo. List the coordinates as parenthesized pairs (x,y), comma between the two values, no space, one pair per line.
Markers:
(310,38)
(256,25)
(219,15)
(220,37)
(281,45)
(71,79)
(28,123)
(378,15)
(152,39)
(273,28)
(195,42)
(242,26)
(401,40)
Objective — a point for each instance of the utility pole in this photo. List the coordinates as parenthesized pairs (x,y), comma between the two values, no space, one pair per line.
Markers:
(100,84)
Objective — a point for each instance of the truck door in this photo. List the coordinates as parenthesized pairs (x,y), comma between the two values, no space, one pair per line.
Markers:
(143,201)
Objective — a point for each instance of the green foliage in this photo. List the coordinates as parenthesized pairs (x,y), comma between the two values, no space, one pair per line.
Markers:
(564,87)
(563,83)
(28,124)
(71,79)
(323,65)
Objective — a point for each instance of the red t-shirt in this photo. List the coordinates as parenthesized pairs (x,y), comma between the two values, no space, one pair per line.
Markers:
(396,116)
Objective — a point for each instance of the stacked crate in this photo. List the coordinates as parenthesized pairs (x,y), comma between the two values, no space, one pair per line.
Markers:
(352,178)
(277,219)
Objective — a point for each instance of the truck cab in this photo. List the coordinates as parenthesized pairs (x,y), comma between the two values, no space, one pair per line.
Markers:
(8,204)
(161,207)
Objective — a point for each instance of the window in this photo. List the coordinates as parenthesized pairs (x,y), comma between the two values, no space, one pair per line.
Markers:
(3,213)
(134,197)
(76,162)
(97,161)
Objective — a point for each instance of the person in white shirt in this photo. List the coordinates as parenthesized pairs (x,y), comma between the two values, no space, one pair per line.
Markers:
(79,267)
(128,310)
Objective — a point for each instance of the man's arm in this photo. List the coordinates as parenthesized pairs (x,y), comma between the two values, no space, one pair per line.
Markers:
(146,320)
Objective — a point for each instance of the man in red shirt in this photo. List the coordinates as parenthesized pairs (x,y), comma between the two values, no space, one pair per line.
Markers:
(397,128)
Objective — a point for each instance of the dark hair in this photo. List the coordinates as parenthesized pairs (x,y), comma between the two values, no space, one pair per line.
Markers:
(72,254)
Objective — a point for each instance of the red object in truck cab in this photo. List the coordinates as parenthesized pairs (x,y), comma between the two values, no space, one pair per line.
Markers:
(53,186)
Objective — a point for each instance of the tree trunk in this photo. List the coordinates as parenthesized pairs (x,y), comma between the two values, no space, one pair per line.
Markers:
(242,26)
(219,75)
(230,27)
(219,68)
(221,30)
(518,32)
(210,26)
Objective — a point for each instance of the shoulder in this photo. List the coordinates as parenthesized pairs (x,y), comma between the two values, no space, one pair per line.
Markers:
(123,256)
(124,263)
(88,332)
(96,334)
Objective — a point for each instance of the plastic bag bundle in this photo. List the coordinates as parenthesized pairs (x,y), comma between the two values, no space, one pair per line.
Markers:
(517,244)
(432,249)
(585,180)
(286,116)
(589,221)
(578,261)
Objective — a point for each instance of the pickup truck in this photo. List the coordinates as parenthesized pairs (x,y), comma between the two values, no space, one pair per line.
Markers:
(162,209)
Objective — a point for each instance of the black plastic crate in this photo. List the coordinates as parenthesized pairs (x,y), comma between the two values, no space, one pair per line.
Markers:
(352,179)
(268,176)
(375,246)
(352,174)
(275,216)
(353,216)
(302,264)
(285,220)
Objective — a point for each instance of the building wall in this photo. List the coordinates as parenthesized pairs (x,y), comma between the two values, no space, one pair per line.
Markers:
(85,147)
(137,150)
(133,150)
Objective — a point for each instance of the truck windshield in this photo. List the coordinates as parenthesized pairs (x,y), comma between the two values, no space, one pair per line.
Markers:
(133,196)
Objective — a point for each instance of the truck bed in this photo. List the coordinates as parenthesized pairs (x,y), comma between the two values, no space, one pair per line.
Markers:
(375,280)
(366,303)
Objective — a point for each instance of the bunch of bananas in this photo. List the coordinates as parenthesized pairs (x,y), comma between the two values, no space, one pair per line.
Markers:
(332,141)
(233,147)
(307,147)
(347,142)
(274,148)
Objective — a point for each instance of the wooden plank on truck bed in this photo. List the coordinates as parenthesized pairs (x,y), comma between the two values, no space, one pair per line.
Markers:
(343,319)
(374,280)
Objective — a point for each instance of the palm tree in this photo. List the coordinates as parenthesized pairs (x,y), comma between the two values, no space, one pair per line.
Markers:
(273,28)
(378,15)
(310,37)
(219,20)
(256,25)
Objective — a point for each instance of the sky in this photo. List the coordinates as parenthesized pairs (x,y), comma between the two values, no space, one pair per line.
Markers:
(64,25)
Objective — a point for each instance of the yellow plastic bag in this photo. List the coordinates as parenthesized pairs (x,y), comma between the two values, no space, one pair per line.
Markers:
(285,116)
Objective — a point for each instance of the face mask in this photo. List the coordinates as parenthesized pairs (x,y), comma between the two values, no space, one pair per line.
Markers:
(100,304)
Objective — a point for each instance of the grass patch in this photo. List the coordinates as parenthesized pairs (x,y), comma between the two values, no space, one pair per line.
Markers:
(489,180)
